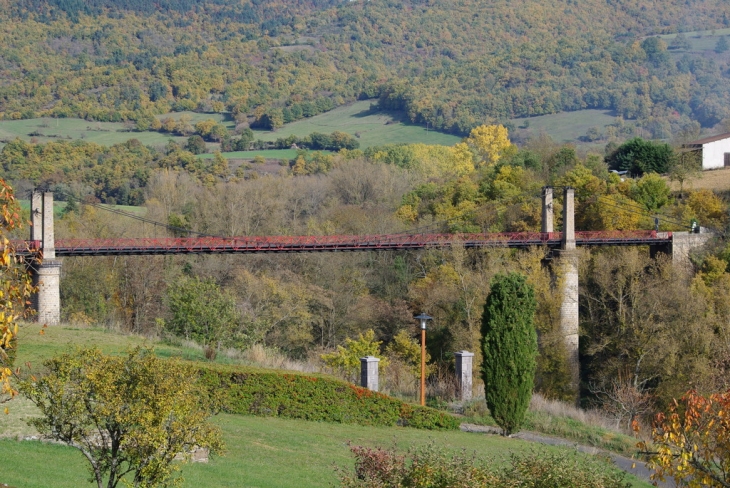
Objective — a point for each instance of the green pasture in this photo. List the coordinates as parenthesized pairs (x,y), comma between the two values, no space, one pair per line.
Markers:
(263,452)
(564,126)
(370,128)
(103,133)
(700,41)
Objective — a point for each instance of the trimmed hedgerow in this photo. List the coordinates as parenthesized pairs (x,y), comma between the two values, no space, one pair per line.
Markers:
(298,396)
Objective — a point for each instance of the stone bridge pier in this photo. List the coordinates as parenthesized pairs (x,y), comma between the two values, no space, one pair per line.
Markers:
(682,243)
(46,273)
(567,277)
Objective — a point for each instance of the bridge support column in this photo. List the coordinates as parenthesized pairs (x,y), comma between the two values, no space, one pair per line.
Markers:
(547,209)
(47,273)
(569,318)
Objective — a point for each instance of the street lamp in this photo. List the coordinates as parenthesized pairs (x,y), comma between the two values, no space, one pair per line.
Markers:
(423,318)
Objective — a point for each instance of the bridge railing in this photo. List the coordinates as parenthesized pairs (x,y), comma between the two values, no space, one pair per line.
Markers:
(249,244)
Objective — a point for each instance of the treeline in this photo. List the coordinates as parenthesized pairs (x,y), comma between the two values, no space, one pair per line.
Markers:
(449,68)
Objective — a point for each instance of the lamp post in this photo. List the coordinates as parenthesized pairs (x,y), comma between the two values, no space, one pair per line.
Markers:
(423,319)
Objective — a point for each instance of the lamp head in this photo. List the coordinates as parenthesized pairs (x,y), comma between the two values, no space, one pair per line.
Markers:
(423,318)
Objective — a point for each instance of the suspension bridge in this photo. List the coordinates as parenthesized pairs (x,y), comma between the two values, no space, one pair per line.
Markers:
(44,250)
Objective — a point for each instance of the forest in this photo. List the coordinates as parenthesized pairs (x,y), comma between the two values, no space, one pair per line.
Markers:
(449,65)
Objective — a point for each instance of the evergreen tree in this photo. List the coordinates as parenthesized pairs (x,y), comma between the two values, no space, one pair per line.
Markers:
(509,345)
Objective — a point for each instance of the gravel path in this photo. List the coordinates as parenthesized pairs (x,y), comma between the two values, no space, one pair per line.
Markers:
(632,466)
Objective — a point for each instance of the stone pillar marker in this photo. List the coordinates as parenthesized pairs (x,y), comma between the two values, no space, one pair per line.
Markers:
(547,209)
(464,362)
(369,372)
(47,273)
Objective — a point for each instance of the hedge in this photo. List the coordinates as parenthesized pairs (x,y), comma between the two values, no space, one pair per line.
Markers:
(298,396)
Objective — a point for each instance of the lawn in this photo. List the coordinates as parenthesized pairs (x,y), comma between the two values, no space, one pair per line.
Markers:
(262,452)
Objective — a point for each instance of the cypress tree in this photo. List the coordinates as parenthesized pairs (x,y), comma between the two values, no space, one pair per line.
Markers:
(509,345)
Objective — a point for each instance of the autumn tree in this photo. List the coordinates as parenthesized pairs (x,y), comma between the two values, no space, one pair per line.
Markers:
(15,287)
(130,416)
(491,143)
(346,359)
(509,348)
(201,311)
(689,443)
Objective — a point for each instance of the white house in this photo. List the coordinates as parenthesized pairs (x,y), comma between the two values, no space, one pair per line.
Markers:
(715,151)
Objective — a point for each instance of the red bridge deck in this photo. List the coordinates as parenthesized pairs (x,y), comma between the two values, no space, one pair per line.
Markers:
(284,244)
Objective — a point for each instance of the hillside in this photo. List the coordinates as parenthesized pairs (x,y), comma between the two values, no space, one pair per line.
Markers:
(449,65)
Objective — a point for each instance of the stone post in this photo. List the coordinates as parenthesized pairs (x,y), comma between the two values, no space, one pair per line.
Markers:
(464,362)
(47,273)
(569,319)
(369,372)
(547,209)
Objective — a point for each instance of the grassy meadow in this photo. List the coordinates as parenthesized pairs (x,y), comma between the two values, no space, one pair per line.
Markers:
(370,128)
(701,42)
(263,452)
(564,127)
(103,133)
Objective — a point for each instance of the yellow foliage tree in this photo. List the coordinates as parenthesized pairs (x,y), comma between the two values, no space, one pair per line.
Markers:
(346,359)
(491,143)
(15,287)
(708,208)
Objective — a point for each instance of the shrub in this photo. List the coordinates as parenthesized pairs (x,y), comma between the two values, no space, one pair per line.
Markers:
(270,393)
(433,467)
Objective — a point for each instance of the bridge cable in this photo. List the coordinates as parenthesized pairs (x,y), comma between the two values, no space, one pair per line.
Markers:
(107,208)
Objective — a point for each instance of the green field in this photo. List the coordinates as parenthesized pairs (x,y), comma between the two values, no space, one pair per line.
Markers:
(104,133)
(700,41)
(564,126)
(371,129)
(262,452)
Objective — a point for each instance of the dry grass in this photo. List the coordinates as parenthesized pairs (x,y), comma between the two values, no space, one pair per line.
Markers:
(263,357)
(716,180)
(13,424)
(556,408)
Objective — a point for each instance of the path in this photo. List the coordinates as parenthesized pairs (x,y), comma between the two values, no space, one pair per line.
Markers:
(631,466)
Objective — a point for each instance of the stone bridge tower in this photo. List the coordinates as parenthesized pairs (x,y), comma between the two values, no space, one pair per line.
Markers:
(568,272)
(47,272)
